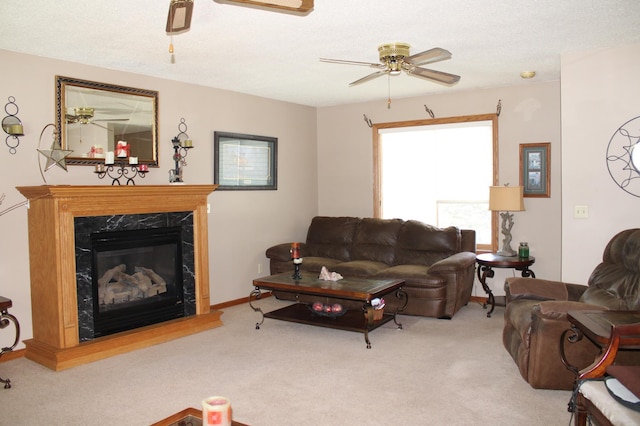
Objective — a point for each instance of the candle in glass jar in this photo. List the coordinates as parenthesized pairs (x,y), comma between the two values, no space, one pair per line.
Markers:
(143,168)
(295,250)
(133,160)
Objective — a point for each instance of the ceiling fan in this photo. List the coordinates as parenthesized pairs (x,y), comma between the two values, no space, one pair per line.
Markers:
(395,57)
(84,115)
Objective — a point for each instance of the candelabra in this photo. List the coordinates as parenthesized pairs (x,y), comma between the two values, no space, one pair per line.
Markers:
(118,171)
(181,146)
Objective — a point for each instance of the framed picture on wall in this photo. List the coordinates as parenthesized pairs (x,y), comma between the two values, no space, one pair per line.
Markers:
(245,162)
(535,162)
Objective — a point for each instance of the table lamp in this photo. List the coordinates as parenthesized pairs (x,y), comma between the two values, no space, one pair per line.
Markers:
(506,199)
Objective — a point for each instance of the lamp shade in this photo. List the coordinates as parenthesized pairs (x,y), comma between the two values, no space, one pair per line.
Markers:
(506,198)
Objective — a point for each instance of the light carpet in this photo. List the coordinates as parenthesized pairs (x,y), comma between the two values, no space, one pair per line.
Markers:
(433,372)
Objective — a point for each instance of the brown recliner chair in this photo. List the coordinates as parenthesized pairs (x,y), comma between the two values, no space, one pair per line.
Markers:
(536,313)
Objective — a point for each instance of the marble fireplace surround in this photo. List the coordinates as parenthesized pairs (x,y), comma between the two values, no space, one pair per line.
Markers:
(52,211)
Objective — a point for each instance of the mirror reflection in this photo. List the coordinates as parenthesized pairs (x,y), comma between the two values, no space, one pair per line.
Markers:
(93,117)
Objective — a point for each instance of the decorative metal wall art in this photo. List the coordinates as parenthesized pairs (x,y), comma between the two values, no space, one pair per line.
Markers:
(623,157)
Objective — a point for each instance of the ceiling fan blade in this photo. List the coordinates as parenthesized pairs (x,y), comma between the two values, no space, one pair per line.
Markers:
(439,76)
(99,125)
(340,61)
(436,54)
(369,77)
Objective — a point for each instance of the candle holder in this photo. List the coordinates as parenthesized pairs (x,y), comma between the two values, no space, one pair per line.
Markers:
(181,146)
(118,171)
(12,125)
(296,269)
(297,260)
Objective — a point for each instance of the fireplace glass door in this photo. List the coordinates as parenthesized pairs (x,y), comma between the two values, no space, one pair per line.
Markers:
(136,278)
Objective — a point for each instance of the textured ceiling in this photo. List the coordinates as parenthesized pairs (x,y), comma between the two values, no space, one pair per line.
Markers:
(276,55)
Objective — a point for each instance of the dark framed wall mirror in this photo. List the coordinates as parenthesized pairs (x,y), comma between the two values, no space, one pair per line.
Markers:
(92,117)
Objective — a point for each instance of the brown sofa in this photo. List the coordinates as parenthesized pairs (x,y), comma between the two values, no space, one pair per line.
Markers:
(436,264)
(536,313)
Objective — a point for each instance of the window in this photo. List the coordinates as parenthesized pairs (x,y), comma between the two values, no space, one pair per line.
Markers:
(439,172)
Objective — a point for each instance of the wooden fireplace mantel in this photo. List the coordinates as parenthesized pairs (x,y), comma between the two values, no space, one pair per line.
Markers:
(52,209)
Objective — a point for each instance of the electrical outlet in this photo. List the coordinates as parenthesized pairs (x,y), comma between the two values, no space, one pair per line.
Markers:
(259,268)
(581,212)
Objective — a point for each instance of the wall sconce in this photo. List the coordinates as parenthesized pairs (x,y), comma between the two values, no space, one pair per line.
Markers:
(12,125)
(181,146)
(506,199)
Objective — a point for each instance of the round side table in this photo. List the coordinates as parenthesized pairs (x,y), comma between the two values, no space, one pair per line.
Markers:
(488,261)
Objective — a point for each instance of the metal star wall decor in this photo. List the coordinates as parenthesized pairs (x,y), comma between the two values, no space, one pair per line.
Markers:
(56,156)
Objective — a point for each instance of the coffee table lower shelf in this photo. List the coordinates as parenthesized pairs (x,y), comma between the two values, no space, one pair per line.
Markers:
(352,320)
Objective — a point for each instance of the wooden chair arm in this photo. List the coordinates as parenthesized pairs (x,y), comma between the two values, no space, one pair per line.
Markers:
(626,335)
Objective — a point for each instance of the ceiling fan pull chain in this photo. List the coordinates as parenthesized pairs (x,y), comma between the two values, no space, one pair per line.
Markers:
(389,90)
(173,58)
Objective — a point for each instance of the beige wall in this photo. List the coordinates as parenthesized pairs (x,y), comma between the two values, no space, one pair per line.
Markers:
(600,92)
(325,162)
(242,223)
(530,113)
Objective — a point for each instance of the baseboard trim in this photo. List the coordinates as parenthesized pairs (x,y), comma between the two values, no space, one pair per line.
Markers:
(480,300)
(237,301)
(11,355)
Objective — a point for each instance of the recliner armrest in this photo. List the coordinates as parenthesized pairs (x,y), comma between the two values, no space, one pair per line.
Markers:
(557,309)
(535,289)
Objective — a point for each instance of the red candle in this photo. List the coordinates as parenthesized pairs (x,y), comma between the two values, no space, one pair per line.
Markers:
(295,250)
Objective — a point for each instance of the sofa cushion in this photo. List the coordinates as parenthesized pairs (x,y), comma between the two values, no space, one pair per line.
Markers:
(376,240)
(331,237)
(412,274)
(358,268)
(315,264)
(422,244)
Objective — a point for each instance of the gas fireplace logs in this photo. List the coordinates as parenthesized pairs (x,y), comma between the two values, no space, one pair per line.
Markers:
(116,286)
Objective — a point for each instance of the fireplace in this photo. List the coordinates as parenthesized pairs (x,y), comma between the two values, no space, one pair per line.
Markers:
(133,270)
(136,278)
(62,219)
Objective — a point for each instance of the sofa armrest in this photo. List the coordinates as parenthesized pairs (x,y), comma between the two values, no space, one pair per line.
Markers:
(453,263)
(282,252)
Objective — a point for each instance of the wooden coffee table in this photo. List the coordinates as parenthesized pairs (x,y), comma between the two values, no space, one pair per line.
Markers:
(353,289)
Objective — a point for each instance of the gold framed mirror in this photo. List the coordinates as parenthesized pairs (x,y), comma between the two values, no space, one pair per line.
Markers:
(92,117)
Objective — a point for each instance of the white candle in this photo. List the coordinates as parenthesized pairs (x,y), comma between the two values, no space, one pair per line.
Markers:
(133,160)
(108,159)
